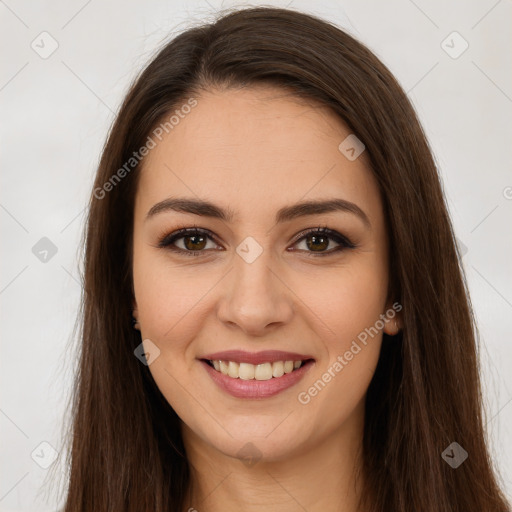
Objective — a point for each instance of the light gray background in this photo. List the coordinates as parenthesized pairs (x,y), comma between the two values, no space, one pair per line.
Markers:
(55,115)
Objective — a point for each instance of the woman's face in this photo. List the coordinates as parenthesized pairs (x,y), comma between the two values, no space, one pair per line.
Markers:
(257,282)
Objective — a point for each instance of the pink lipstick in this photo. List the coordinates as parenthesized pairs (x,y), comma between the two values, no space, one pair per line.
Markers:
(256,375)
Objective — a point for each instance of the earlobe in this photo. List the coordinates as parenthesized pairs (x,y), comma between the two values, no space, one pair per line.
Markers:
(393,324)
(392,327)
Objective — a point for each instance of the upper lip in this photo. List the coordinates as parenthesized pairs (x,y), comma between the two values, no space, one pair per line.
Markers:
(265,356)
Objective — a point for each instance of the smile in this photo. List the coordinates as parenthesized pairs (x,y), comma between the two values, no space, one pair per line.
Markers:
(258,375)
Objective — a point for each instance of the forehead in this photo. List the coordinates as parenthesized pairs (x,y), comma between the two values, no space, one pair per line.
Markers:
(254,146)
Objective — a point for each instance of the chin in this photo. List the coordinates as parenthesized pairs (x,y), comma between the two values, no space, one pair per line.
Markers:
(263,440)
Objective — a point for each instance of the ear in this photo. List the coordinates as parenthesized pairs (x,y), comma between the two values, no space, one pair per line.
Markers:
(135,315)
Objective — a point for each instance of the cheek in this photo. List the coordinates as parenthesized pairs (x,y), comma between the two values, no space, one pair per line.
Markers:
(345,302)
(170,297)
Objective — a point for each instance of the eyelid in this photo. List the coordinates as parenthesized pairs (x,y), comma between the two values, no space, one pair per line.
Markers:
(167,239)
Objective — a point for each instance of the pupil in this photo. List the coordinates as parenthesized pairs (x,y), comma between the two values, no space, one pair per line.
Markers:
(316,240)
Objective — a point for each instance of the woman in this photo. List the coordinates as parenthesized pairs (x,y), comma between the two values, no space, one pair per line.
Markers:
(275,315)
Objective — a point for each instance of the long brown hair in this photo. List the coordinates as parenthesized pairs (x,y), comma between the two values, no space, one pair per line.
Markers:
(126,452)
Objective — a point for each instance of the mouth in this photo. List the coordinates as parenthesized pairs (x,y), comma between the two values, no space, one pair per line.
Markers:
(256,376)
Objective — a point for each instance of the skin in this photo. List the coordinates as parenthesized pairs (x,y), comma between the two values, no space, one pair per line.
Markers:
(255,150)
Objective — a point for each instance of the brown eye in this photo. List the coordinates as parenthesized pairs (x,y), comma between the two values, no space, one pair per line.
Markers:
(318,240)
(188,241)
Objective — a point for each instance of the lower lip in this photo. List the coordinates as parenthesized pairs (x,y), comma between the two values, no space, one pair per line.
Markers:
(256,389)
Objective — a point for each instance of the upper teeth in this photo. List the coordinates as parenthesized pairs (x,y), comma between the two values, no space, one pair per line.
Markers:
(247,371)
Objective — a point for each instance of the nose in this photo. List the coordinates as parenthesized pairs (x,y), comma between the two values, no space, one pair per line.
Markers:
(255,298)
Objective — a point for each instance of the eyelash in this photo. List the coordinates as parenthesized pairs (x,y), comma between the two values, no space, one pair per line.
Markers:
(166,241)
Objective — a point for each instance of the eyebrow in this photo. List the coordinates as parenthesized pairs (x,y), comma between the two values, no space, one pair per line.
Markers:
(207,209)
